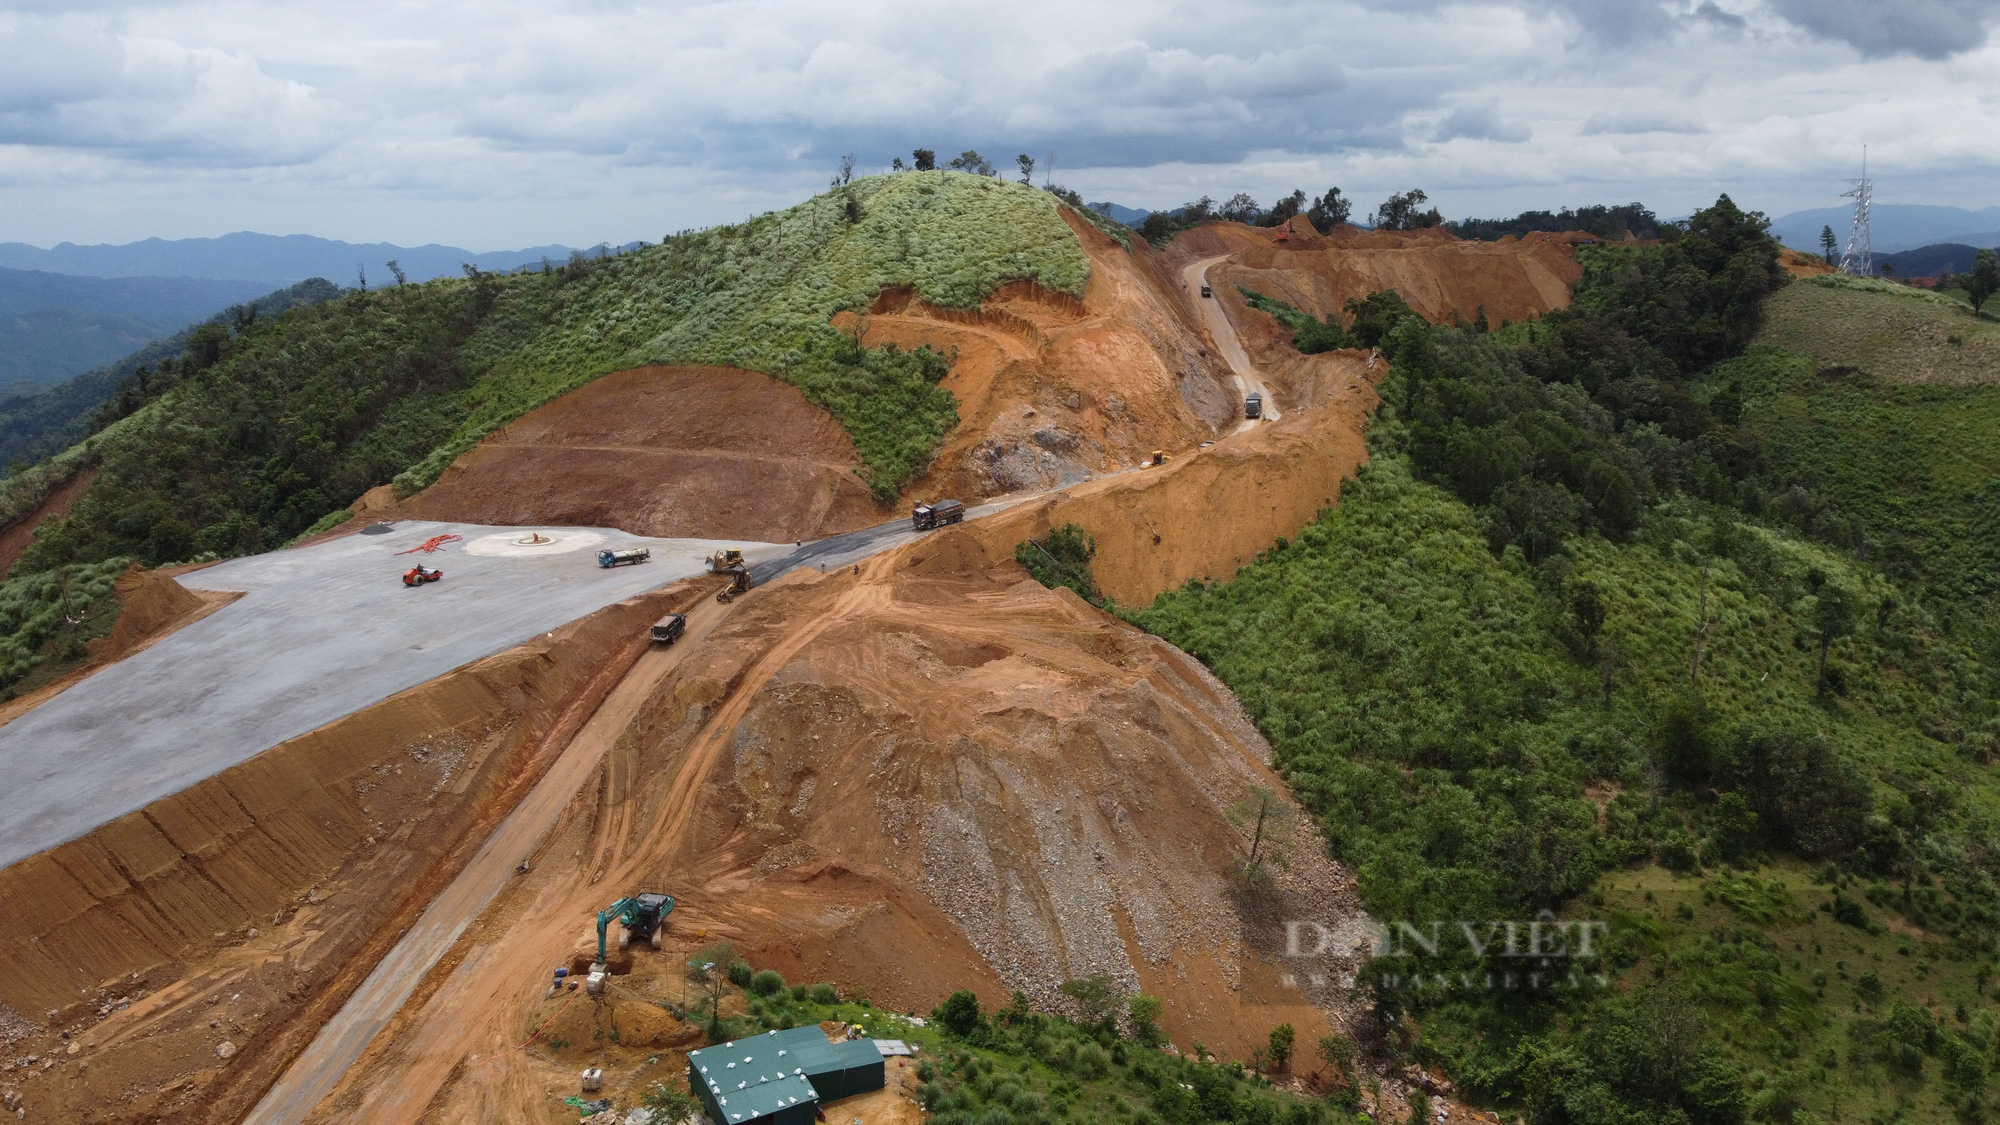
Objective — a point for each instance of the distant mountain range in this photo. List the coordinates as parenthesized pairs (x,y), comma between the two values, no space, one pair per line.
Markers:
(1892,227)
(54,326)
(1130,216)
(272,260)
(37,420)
(1931,261)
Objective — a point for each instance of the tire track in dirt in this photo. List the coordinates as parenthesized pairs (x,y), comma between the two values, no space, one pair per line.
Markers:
(678,808)
(341,1042)
(439,1039)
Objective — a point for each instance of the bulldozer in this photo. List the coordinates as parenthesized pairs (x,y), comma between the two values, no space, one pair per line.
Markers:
(739,583)
(721,561)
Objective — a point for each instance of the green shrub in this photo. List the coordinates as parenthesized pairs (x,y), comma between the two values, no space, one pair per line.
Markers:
(766,982)
(959,1014)
(823,993)
(740,974)
(1310,335)
(1062,560)
(48,617)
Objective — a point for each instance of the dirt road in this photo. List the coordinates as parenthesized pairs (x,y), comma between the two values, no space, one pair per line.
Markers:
(1217,321)
(313,1074)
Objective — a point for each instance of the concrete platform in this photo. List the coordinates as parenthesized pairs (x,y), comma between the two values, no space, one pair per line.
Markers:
(322,632)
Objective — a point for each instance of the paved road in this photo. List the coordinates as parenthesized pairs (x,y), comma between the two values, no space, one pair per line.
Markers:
(851,547)
(322,632)
(1248,378)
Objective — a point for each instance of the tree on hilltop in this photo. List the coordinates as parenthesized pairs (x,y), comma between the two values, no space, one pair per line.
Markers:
(1240,209)
(1027,166)
(1399,212)
(926,159)
(1284,209)
(971,161)
(1329,211)
(1827,243)
(1984,280)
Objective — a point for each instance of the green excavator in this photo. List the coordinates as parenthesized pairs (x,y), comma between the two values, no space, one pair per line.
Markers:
(642,915)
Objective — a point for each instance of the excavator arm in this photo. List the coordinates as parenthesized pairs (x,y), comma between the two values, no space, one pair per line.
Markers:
(623,910)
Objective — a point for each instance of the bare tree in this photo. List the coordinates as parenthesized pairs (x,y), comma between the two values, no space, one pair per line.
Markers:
(1268,819)
(397,272)
(846,172)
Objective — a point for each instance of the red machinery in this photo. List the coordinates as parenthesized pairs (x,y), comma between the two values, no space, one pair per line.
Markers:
(420,574)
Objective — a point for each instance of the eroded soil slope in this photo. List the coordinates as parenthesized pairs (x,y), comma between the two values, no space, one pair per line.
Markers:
(687,452)
(1052,390)
(242,910)
(1435,273)
(928,775)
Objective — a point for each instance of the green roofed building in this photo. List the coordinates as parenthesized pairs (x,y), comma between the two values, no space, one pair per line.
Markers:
(782,1077)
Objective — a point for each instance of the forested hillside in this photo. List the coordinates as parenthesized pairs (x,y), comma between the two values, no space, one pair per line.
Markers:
(262,429)
(1630,621)
(34,426)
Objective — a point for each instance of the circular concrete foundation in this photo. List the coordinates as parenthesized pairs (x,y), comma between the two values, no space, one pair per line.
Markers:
(522,544)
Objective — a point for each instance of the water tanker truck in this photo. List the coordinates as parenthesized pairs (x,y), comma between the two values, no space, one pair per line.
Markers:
(608,558)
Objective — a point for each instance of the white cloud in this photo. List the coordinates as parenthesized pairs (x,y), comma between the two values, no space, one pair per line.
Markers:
(1930,29)
(1480,123)
(1640,121)
(515,122)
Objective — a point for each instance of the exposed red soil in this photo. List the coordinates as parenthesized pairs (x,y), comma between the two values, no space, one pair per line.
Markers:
(1052,390)
(15,540)
(932,775)
(247,907)
(694,452)
(1803,265)
(1434,272)
(1206,513)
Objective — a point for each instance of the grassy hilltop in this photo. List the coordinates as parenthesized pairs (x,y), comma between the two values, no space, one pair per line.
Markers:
(1641,618)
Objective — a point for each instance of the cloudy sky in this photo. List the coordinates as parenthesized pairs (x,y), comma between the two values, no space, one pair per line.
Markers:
(495,124)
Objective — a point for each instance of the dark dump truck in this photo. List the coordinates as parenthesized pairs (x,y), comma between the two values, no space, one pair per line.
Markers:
(926,516)
(668,629)
(610,558)
(1253,405)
